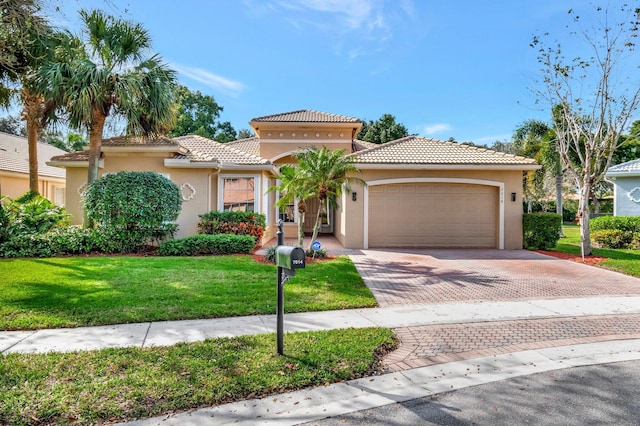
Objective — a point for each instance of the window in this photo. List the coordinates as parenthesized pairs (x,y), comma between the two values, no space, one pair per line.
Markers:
(58,196)
(288,214)
(238,194)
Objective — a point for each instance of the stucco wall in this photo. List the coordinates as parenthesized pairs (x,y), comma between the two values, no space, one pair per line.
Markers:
(624,205)
(13,185)
(194,185)
(276,149)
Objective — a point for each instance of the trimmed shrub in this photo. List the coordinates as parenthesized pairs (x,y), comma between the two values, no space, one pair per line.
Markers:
(621,223)
(612,238)
(541,231)
(202,244)
(59,241)
(237,223)
(615,232)
(317,254)
(133,209)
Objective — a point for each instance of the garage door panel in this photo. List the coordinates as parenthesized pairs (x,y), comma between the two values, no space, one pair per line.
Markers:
(433,215)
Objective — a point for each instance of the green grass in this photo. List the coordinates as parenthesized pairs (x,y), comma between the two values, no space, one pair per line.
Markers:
(122,384)
(624,261)
(83,291)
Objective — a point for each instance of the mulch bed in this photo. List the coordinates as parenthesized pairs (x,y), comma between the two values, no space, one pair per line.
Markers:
(589,260)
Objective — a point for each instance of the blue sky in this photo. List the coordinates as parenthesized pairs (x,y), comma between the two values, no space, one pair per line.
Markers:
(462,69)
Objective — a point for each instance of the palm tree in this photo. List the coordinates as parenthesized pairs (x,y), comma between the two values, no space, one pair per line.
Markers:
(106,73)
(27,41)
(291,188)
(325,174)
(537,139)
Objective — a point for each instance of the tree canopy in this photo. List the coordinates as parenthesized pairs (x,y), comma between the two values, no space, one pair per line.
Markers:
(106,71)
(383,130)
(591,96)
(198,114)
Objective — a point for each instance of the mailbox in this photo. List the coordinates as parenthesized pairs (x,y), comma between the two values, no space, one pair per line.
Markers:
(289,257)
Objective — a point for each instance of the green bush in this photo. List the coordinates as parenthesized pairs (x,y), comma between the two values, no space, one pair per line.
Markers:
(613,238)
(35,245)
(253,218)
(569,208)
(133,209)
(203,244)
(318,254)
(541,231)
(30,214)
(270,255)
(621,223)
(59,241)
(615,231)
(237,223)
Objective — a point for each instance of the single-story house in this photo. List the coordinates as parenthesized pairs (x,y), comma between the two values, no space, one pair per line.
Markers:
(625,178)
(14,169)
(419,192)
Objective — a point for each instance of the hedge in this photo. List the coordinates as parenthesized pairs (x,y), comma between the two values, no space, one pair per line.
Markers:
(615,232)
(236,222)
(203,244)
(541,231)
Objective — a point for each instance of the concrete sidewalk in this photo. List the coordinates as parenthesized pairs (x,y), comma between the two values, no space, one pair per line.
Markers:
(338,399)
(171,332)
(407,382)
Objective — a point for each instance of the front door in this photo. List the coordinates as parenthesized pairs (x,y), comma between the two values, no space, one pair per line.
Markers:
(310,218)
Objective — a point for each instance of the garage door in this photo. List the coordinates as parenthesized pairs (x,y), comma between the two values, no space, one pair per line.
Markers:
(433,215)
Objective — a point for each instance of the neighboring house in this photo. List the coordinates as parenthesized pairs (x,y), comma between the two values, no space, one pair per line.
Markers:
(420,192)
(625,178)
(14,169)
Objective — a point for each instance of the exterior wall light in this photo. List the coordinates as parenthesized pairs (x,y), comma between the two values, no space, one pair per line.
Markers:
(513,196)
(354,196)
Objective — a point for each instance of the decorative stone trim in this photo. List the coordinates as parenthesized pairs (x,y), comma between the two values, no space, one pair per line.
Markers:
(190,188)
(635,198)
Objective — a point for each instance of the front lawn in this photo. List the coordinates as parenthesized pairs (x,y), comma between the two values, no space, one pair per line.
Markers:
(625,261)
(112,385)
(83,291)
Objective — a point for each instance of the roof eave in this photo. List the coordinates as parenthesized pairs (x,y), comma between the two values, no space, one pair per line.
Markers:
(234,166)
(412,166)
(141,148)
(66,164)
(621,174)
(174,163)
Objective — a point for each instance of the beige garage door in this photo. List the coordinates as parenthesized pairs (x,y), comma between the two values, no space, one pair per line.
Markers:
(433,215)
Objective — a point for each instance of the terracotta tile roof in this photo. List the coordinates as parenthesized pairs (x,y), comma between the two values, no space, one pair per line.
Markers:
(306,116)
(72,156)
(419,150)
(359,145)
(249,145)
(206,150)
(14,156)
(631,168)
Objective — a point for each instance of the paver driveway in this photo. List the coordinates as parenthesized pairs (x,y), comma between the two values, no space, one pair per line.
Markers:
(416,276)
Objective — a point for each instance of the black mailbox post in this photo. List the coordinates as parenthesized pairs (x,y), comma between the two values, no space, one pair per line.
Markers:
(288,259)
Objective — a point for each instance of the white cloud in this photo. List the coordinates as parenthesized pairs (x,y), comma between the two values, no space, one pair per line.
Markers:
(354,13)
(228,86)
(432,129)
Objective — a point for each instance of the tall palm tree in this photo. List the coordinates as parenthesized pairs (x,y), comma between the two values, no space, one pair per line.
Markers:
(326,173)
(293,188)
(105,72)
(26,41)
